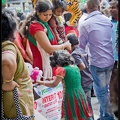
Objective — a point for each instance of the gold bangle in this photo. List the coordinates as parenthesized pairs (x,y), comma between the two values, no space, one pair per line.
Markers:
(44,83)
(8,81)
(62,47)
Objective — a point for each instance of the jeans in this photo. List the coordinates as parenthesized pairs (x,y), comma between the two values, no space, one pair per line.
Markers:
(87,91)
(101,77)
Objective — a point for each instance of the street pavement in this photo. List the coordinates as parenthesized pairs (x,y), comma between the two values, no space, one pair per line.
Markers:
(96,106)
(38,116)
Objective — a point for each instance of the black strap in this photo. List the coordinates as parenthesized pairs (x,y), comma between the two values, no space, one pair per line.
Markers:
(15,94)
(19,113)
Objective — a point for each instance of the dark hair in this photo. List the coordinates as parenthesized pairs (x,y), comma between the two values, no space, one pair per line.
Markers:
(114,2)
(41,6)
(61,58)
(72,39)
(84,10)
(59,4)
(21,16)
(8,25)
(67,16)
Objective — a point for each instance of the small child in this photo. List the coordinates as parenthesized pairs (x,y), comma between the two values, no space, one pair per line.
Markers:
(81,60)
(57,21)
(75,105)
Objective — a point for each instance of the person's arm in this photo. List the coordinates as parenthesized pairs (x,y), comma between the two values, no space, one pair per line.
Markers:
(52,83)
(9,67)
(18,43)
(42,39)
(60,73)
(28,60)
(83,37)
(40,36)
(79,62)
(81,66)
(22,51)
(28,50)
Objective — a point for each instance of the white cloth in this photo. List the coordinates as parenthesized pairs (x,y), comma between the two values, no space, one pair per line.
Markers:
(47,70)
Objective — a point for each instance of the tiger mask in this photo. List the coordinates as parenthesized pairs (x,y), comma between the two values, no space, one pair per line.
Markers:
(73,8)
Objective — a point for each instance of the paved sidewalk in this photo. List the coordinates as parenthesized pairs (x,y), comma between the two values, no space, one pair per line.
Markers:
(95,105)
(38,116)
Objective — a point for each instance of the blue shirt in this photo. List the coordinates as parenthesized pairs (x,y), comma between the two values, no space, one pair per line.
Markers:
(96,32)
(82,57)
(114,29)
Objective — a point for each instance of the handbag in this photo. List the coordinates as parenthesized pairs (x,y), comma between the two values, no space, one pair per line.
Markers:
(19,116)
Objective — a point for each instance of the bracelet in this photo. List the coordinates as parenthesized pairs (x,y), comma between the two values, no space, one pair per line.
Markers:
(44,83)
(8,81)
(62,47)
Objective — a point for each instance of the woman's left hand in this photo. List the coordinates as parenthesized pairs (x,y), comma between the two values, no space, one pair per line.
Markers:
(9,86)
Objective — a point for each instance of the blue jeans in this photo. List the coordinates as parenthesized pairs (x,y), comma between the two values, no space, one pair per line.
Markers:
(87,91)
(101,77)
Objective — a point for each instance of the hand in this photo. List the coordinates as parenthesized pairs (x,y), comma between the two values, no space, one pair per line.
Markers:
(9,86)
(67,45)
(51,78)
(39,82)
(48,79)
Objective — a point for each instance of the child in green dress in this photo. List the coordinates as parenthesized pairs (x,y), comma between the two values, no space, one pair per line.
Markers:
(75,105)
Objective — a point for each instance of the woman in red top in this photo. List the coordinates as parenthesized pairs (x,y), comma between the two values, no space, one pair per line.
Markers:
(41,37)
(22,44)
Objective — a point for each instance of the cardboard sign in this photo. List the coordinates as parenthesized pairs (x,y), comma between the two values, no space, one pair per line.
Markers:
(49,101)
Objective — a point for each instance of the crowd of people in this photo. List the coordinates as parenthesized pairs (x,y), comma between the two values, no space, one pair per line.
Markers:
(84,58)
